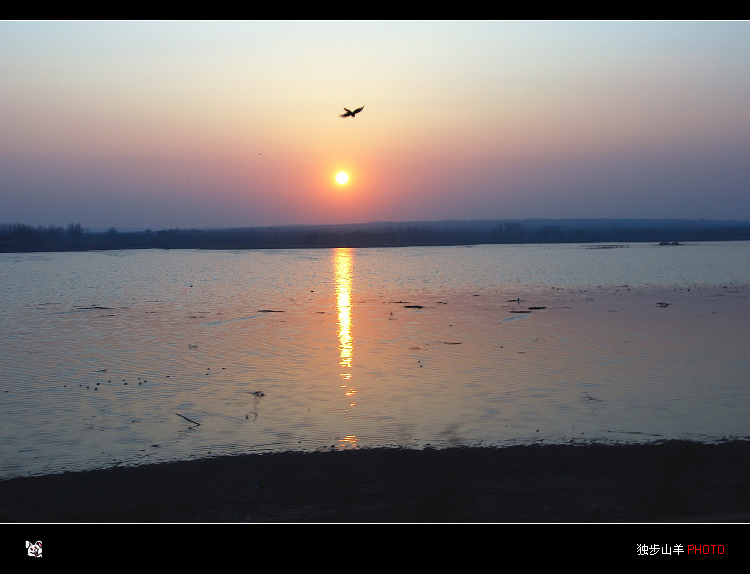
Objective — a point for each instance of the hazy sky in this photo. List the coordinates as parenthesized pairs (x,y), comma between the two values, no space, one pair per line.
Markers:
(209,124)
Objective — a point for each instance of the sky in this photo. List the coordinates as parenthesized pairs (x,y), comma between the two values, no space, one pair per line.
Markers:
(201,124)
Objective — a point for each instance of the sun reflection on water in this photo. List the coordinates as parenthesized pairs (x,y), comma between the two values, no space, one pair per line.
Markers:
(343,269)
(343,262)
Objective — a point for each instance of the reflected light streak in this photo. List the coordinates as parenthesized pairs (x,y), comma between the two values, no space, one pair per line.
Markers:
(342,261)
(343,269)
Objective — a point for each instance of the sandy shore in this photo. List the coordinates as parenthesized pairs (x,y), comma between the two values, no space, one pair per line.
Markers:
(673,481)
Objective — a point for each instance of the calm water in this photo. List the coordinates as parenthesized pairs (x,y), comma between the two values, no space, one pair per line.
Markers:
(130,357)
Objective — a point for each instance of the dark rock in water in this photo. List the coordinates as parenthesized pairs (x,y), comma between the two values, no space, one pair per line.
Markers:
(414,306)
(269,311)
(536,308)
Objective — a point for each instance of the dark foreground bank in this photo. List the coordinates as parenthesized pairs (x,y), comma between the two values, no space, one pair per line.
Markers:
(674,481)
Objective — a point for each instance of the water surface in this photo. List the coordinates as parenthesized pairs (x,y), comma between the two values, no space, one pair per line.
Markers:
(128,357)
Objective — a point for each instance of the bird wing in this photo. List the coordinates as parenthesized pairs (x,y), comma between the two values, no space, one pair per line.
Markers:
(358,110)
(348,113)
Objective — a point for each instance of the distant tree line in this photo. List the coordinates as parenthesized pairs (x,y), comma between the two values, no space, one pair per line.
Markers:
(25,238)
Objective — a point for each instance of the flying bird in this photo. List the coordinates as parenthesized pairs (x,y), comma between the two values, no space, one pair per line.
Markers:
(352,113)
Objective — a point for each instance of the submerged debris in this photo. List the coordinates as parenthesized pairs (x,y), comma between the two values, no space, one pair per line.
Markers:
(258,395)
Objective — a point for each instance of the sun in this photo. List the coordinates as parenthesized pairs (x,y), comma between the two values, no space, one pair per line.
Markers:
(342,177)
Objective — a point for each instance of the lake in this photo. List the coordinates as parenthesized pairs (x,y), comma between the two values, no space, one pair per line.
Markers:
(132,357)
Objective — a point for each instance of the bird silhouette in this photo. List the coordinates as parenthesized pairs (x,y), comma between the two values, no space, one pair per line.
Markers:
(352,113)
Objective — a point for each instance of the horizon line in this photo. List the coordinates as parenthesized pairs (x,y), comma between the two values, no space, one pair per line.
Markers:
(663,220)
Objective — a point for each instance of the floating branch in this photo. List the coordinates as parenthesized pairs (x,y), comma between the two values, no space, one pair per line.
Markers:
(187,419)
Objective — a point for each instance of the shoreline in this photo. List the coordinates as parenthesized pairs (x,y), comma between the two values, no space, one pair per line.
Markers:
(22,238)
(671,481)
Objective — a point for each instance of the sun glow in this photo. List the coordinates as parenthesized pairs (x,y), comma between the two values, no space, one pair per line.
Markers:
(342,177)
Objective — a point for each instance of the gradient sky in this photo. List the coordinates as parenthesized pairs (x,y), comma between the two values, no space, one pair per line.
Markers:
(226,124)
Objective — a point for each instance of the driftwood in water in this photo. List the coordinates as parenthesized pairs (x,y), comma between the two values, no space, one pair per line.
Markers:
(187,419)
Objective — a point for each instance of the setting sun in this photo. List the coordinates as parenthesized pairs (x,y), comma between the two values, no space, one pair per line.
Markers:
(342,178)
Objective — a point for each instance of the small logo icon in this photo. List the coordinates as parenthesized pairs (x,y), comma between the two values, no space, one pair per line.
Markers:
(34,548)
